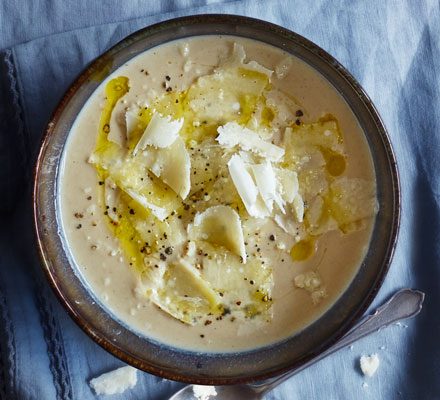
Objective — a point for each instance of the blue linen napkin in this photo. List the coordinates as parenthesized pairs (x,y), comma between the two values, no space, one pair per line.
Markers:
(392,49)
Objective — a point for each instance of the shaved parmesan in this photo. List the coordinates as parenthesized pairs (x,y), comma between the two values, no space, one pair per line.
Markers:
(288,181)
(116,129)
(246,188)
(158,212)
(323,134)
(288,224)
(247,157)
(202,286)
(173,165)
(113,382)
(232,134)
(289,184)
(131,121)
(237,60)
(221,225)
(242,180)
(161,132)
(352,201)
(254,66)
(180,290)
(225,273)
(283,105)
(231,92)
(267,185)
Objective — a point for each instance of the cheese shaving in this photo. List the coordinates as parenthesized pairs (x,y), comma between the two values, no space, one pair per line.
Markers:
(221,225)
(246,188)
(267,185)
(237,60)
(232,134)
(114,382)
(369,364)
(131,121)
(172,165)
(161,132)
(180,290)
(158,212)
(288,181)
(298,206)
(116,132)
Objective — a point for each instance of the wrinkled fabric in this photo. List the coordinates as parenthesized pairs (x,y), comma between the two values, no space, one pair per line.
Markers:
(392,49)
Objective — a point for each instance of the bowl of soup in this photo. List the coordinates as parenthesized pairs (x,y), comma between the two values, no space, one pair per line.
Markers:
(216,200)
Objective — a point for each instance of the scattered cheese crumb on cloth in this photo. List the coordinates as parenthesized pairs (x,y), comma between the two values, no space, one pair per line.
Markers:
(113,382)
(204,392)
(369,364)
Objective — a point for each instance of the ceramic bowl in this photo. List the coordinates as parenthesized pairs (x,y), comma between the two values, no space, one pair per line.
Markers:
(213,368)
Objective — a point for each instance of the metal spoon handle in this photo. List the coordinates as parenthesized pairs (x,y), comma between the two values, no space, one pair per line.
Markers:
(406,303)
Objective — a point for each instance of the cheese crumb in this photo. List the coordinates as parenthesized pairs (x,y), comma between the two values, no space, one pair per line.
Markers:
(282,68)
(237,60)
(281,246)
(204,392)
(311,281)
(369,364)
(113,382)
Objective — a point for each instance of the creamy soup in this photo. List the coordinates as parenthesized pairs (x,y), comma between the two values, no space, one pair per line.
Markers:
(217,194)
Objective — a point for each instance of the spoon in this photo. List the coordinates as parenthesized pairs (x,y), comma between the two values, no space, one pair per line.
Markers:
(405,303)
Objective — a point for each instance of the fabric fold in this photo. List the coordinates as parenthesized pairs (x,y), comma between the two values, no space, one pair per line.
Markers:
(14,144)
